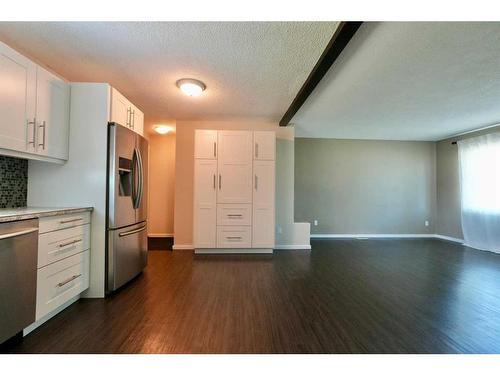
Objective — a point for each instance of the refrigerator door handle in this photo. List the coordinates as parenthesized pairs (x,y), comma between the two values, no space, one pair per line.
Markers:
(135,173)
(134,231)
(141,178)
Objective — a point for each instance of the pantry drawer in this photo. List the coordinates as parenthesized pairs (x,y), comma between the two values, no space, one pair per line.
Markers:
(59,282)
(60,244)
(51,223)
(234,214)
(234,237)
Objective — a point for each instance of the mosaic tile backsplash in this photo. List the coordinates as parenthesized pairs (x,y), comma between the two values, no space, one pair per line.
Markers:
(13,182)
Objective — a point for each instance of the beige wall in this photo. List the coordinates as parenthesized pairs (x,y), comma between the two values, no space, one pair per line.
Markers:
(365,187)
(448,185)
(184,167)
(161,184)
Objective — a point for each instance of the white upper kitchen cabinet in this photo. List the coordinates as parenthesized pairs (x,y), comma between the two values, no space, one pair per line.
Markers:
(52,115)
(264,145)
(137,121)
(17,101)
(120,108)
(125,113)
(205,144)
(234,166)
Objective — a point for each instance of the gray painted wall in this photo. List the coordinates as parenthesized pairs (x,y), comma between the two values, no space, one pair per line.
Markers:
(448,220)
(365,187)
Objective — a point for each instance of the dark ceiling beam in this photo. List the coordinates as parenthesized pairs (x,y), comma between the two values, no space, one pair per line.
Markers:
(345,31)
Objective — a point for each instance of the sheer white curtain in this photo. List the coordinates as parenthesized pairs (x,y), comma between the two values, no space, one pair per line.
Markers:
(479,160)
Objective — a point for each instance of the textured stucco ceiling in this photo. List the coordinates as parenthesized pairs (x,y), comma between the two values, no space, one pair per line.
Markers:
(251,69)
(408,81)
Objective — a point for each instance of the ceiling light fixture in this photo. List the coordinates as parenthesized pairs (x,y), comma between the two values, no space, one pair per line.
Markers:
(191,87)
(161,129)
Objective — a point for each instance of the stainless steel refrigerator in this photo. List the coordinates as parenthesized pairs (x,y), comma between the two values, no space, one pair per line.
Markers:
(126,212)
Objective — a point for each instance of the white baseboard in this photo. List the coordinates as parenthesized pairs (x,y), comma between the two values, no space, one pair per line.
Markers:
(360,235)
(50,315)
(160,234)
(183,247)
(447,238)
(293,247)
(404,235)
(233,251)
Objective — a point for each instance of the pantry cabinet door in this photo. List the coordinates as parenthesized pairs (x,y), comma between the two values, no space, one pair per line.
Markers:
(264,145)
(205,144)
(17,101)
(263,204)
(234,167)
(205,204)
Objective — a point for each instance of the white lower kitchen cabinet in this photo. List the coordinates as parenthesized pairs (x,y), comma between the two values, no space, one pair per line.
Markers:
(63,263)
(59,282)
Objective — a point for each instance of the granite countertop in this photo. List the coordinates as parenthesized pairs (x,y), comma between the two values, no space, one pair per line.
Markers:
(23,213)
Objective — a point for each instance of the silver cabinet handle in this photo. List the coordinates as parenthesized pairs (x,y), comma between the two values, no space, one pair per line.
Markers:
(233,237)
(256,182)
(34,131)
(69,243)
(123,234)
(18,233)
(70,221)
(214,182)
(256,150)
(234,215)
(220,182)
(43,137)
(132,119)
(215,150)
(69,280)
(129,112)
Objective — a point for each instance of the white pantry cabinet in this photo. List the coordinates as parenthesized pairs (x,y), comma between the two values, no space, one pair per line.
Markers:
(234,188)
(35,109)
(125,113)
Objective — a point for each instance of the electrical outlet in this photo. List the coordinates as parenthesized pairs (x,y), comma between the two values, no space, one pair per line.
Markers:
(280,230)
(427,223)
(315,223)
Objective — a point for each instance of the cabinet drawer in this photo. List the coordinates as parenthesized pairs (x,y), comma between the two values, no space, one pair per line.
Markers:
(234,214)
(60,244)
(58,282)
(51,223)
(234,237)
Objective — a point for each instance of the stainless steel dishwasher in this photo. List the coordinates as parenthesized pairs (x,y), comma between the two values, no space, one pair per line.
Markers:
(18,261)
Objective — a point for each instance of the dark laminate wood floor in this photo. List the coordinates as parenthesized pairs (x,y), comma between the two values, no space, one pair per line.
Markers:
(345,296)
